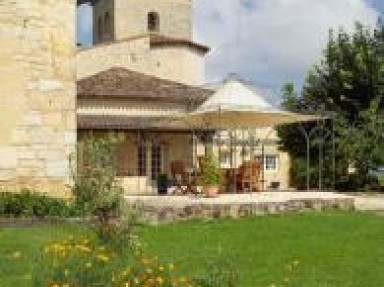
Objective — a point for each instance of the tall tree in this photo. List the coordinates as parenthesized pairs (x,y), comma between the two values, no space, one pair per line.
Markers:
(346,82)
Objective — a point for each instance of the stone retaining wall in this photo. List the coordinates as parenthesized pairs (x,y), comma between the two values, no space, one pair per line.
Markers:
(167,214)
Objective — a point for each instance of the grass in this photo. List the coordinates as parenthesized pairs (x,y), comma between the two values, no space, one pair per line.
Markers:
(334,249)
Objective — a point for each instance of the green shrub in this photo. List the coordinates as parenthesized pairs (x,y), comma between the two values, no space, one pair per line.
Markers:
(98,192)
(211,172)
(96,188)
(30,204)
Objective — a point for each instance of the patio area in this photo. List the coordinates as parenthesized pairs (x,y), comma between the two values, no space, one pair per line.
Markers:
(163,209)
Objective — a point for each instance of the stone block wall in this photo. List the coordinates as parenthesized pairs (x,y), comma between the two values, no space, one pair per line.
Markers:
(37,91)
(160,214)
(131,18)
(180,64)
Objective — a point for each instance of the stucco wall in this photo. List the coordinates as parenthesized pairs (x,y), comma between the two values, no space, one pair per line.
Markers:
(37,108)
(180,64)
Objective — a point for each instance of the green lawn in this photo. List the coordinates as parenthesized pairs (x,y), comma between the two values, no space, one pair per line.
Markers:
(334,249)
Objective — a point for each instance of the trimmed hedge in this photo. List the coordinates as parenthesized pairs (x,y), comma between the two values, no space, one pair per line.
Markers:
(30,204)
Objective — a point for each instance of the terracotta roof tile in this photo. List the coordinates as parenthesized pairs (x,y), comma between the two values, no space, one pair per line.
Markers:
(120,83)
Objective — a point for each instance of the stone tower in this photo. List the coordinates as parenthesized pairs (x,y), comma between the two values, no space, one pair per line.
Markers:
(116,20)
(37,107)
(153,37)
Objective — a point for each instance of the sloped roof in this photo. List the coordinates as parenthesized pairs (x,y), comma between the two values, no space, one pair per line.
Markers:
(157,40)
(120,83)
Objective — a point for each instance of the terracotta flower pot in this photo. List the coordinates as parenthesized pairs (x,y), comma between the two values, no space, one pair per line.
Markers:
(211,191)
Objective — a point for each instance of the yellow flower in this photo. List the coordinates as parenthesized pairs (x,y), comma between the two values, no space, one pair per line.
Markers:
(171,266)
(83,248)
(102,258)
(65,285)
(16,254)
(145,261)
(161,268)
(183,280)
(296,262)
(286,280)
(159,280)
(127,284)
(272,285)
(88,265)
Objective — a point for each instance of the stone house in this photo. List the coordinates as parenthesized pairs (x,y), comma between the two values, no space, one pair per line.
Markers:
(143,69)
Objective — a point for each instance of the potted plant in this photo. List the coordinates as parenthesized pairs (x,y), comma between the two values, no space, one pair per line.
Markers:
(211,176)
(162,184)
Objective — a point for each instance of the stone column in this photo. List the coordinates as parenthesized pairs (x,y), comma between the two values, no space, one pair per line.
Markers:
(38,94)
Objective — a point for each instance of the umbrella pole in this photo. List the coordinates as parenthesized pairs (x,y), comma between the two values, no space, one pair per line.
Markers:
(250,155)
(235,159)
(263,166)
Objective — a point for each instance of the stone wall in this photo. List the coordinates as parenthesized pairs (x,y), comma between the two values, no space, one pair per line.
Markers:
(156,214)
(37,108)
(180,64)
(131,18)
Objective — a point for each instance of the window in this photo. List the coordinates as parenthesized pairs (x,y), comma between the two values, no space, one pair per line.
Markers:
(99,29)
(153,22)
(156,159)
(225,160)
(142,158)
(107,23)
(271,162)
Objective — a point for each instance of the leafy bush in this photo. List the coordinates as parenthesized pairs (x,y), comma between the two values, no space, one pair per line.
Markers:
(97,191)
(298,174)
(30,204)
(96,188)
(211,172)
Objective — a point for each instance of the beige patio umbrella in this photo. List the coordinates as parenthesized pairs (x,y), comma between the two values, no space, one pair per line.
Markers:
(236,106)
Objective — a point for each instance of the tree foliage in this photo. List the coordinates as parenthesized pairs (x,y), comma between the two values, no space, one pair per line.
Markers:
(348,86)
